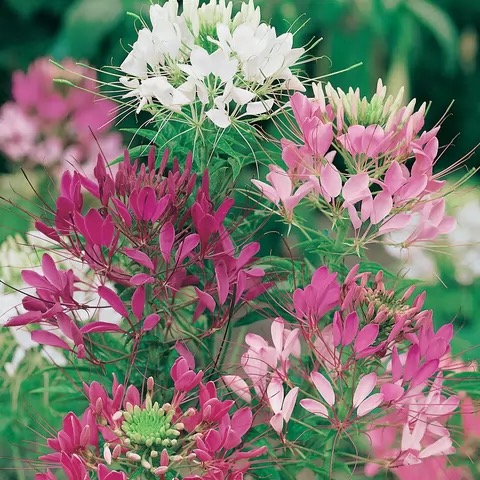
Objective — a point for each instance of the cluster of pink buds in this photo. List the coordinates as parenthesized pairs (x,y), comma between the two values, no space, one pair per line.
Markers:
(55,125)
(155,233)
(193,436)
(389,183)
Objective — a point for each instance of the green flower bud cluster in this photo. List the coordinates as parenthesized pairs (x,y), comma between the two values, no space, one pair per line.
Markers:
(150,426)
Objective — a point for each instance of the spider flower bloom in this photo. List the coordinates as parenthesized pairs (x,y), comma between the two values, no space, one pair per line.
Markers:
(388,183)
(151,231)
(204,60)
(15,257)
(51,124)
(195,434)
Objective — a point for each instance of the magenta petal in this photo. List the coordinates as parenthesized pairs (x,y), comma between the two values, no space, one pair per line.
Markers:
(151,322)
(139,257)
(138,301)
(113,300)
(185,248)
(350,329)
(141,279)
(24,319)
(47,338)
(223,284)
(98,327)
(166,239)
(51,272)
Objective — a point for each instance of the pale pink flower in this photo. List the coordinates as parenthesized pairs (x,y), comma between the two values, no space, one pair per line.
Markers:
(280,190)
(362,400)
(282,405)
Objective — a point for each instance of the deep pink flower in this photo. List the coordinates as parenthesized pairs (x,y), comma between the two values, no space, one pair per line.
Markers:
(317,298)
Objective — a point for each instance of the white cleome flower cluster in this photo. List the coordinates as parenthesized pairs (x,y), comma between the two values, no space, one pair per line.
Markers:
(207,64)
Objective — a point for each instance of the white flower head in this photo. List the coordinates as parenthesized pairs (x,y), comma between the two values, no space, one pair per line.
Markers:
(222,66)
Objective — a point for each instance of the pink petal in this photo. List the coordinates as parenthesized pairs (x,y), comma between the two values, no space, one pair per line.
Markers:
(331,181)
(267,191)
(277,330)
(397,222)
(47,338)
(314,407)
(391,392)
(289,403)
(150,322)
(356,188)
(113,300)
(350,329)
(238,386)
(324,387)
(277,422)
(366,337)
(139,257)
(166,239)
(364,388)
(275,395)
(440,447)
(281,182)
(369,404)
(138,301)
(382,206)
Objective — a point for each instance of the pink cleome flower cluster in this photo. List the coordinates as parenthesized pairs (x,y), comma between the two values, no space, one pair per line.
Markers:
(55,125)
(194,435)
(370,352)
(389,182)
(150,231)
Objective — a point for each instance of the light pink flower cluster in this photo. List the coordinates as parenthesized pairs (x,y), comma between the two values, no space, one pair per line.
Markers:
(56,125)
(195,435)
(389,182)
(372,353)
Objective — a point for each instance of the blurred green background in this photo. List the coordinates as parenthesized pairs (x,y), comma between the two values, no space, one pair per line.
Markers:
(429,46)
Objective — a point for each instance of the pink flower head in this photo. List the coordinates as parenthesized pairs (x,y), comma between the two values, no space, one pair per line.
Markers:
(184,377)
(53,124)
(282,405)
(362,400)
(317,298)
(106,474)
(280,190)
